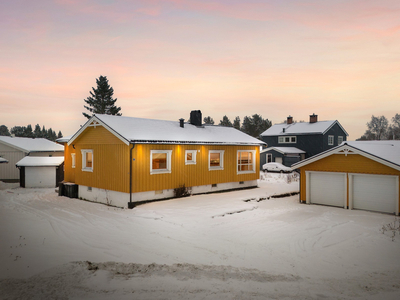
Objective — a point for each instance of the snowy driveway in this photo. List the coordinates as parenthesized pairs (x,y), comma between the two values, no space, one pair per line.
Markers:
(237,245)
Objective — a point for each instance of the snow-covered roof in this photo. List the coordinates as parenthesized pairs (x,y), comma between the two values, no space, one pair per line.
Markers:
(30,145)
(299,128)
(3,160)
(40,161)
(139,130)
(385,152)
(284,150)
(64,139)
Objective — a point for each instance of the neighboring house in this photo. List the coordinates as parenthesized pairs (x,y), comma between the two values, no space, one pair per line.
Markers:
(15,148)
(284,155)
(163,156)
(41,172)
(359,175)
(299,140)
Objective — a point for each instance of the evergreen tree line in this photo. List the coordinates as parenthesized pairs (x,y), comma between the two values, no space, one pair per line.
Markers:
(22,131)
(252,125)
(380,129)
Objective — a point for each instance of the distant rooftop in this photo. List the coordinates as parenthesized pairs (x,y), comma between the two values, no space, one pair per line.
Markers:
(31,145)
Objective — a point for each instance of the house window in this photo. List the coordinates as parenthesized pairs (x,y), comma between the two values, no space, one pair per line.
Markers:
(340,139)
(160,161)
(287,139)
(269,157)
(330,139)
(216,160)
(73,160)
(190,157)
(87,160)
(246,161)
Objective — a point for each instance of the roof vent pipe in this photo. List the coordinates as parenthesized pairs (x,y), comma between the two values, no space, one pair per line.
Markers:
(181,122)
(283,130)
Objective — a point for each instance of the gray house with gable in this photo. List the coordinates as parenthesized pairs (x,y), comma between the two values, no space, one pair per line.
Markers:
(290,142)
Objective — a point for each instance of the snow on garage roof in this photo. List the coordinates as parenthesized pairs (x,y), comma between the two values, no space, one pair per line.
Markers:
(301,128)
(284,150)
(30,145)
(3,160)
(139,130)
(40,161)
(385,152)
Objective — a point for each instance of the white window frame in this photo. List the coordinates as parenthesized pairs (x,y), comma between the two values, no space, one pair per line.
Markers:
(221,164)
(331,140)
(340,139)
(282,138)
(73,160)
(84,152)
(253,152)
(193,160)
(160,171)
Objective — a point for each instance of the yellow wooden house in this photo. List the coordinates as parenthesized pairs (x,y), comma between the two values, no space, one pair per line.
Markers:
(123,160)
(355,175)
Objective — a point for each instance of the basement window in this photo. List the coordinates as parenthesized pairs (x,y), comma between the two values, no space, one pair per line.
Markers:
(87,160)
(160,161)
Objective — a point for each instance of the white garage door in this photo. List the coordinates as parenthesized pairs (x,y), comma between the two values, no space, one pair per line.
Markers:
(375,192)
(327,188)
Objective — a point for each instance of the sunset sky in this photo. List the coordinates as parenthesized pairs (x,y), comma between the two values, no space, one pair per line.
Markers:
(339,59)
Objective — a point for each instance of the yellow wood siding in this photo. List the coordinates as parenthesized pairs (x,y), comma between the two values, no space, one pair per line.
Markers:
(111,164)
(352,163)
(188,175)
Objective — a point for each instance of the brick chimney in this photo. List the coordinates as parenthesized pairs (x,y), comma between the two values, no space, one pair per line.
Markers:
(289,120)
(313,118)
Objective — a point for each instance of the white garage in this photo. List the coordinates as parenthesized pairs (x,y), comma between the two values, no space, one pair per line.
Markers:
(356,175)
(40,172)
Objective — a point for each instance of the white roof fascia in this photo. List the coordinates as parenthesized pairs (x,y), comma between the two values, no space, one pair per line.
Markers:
(344,149)
(336,122)
(99,123)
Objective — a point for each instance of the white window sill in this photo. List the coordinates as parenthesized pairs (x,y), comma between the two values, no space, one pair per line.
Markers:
(190,163)
(153,172)
(245,172)
(87,170)
(216,169)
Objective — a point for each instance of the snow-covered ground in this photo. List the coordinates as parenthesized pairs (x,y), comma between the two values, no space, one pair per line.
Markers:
(236,245)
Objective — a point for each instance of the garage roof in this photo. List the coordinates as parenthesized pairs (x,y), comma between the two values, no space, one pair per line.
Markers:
(385,152)
(39,161)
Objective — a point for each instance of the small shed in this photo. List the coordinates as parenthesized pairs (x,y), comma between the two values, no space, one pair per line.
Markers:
(41,172)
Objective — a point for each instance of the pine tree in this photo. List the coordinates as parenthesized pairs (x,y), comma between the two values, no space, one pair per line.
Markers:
(59,135)
(38,131)
(225,122)
(255,125)
(101,99)
(236,123)
(4,130)
(208,120)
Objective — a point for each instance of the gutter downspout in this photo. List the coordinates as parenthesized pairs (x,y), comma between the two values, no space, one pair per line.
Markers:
(130,203)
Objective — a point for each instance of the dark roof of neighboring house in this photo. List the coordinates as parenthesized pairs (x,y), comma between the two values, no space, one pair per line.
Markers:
(301,128)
